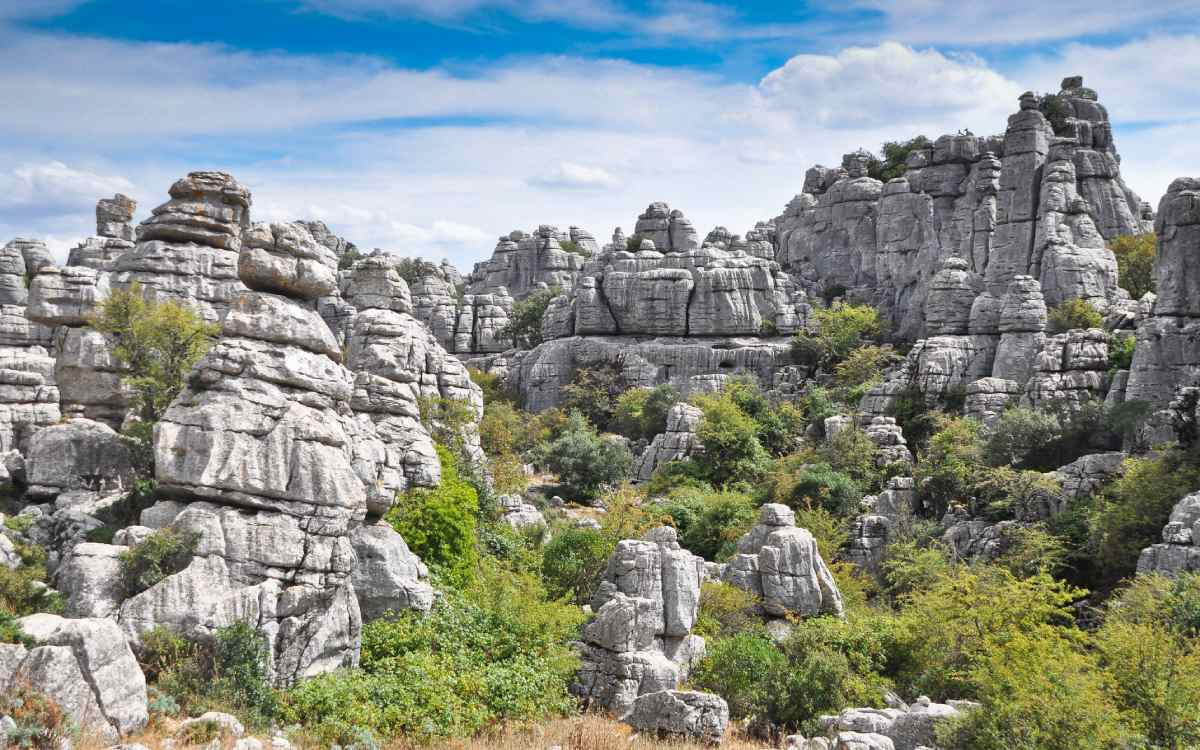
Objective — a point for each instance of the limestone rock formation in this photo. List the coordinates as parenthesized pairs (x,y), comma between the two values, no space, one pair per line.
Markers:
(85,666)
(29,395)
(779,562)
(523,263)
(686,713)
(640,641)
(387,577)
(678,442)
(114,235)
(902,728)
(1179,550)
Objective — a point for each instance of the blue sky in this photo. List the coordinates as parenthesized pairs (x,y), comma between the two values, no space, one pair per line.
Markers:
(432,126)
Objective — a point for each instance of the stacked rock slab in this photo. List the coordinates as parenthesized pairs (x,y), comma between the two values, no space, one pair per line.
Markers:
(1179,550)
(114,235)
(1167,355)
(269,466)
(678,442)
(779,562)
(187,251)
(900,727)
(28,393)
(640,641)
(523,263)
(398,364)
(1033,202)
(85,667)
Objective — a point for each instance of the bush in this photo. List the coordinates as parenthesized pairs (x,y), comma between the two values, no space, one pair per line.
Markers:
(641,413)
(240,670)
(800,484)
(39,721)
(583,460)
(1130,513)
(745,669)
(840,328)
(573,561)
(162,553)
(1120,351)
(1020,433)
(23,590)
(1135,262)
(709,522)
(593,392)
(861,370)
(895,157)
(158,342)
(732,451)
(439,524)
(951,464)
(1074,313)
(1057,110)
(412,270)
(726,610)
(10,631)
(524,326)
(494,652)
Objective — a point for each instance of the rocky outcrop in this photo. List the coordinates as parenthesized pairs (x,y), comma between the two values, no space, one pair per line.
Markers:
(678,442)
(779,562)
(869,533)
(684,713)
(519,514)
(80,457)
(29,396)
(523,263)
(900,727)
(1087,474)
(640,641)
(187,251)
(1070,370)
(388,577)
(85,667)
(1179,550)
(114,235)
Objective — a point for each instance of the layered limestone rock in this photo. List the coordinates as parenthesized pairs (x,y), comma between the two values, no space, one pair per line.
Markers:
(640,641)
(779,562)
(85,667)
(114,235)
(870,531)
(1070,370)
(29,395)
(523,263)
(388,577)
(900,727)
(967,217)
(187,251)
(685,713)
(1167,355)
(1179,550)
(678,442)
(398,365)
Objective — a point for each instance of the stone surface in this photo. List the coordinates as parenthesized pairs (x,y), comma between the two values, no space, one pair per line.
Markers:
(75,455)
(685,713)
(1179,551)
(284,258)
(779,562)
(678,442)
(388,577)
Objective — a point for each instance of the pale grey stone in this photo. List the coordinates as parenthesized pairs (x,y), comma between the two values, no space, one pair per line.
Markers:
(686,713)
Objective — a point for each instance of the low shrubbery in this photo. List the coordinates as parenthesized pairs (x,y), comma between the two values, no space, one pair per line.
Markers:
(160,554)
(1074,313)
(584,460)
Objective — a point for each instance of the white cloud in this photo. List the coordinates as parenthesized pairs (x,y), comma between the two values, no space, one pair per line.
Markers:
(571,176)
(33,9)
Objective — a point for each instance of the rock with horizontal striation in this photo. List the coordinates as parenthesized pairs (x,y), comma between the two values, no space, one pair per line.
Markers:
(683,713)
(284,258)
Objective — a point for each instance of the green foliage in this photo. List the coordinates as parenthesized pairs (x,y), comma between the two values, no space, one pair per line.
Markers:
(732,451)
(861,370)
(349,258)
(412,270)
(949,627)
(162,553)
(1057,110)
(840,328)
(778,426)
(583,460)
(439,524)
(1074,313)
(240,669)
(909,566)
(1039,689)
(23,590)
(1135,262)
(571,246)
(1120,351)
(725,610)
(593,392)
(491,653)
(895,157)
(709,522)
(830,532)
(633,243)
(800,483)
(673,475)
(39,720)
(573,561)
(10,631)
(1129,514)
(641,413)
(739,669)
(524,326)
(1020,432)
(158,342)
(951,464)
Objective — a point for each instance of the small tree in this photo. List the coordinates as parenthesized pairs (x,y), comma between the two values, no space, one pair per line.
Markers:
(732,451)
(159,343)
(524,327)
(439,523)
(1135,262)
(1074,313)
(840,329)
(583,460)
(594,391)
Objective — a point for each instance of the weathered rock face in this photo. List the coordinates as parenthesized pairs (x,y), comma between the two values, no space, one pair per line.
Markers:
(397,363)
(686,713)
(388,577)
(187,250)
(284,258)
(523,263)
(870,531)
(640,641)
(902,727)
(779,562)
(1167,356)
(78,456)
(1179,551)
(28,392)
(115,235)
(677,443)
(85,666)
(968,216)
(1070,370)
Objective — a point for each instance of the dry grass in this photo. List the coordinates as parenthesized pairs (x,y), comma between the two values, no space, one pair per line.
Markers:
(574,733)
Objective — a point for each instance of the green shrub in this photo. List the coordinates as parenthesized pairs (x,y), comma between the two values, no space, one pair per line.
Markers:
(412,270)
(1074,313)
(162,651)
(573,561)
(895,157)
(709,522)
(641,413)
(799,483)
(524,326)
(593,392)
(495,652)
(861,370)
(951,465)
(732,451)
(439,524)
(583,460)
(158,343)
(574,247)
(1120,351)
(745,669)
(726,610)
(677,475)
(1057,110)
(23,590)
(10,631)
(1129,514)
(240,669)
(162,553)
(1019,433)
(40,722)
(840,328)
(1135,255)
